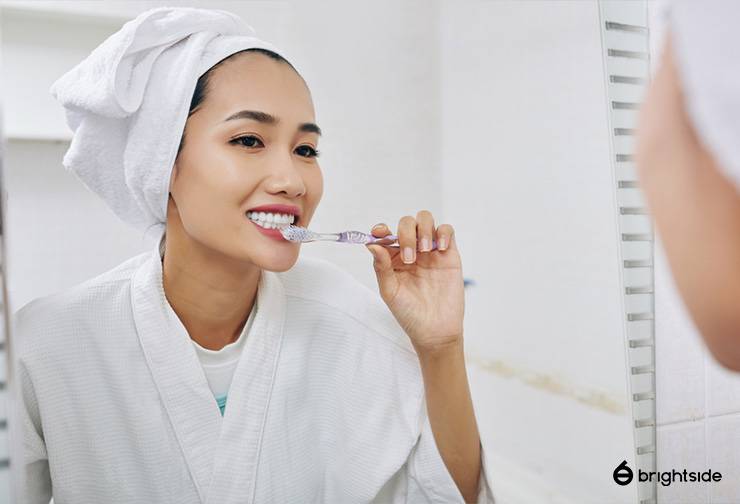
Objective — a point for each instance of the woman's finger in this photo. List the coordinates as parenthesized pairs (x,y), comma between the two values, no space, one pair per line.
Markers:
(407,239)
(425,230)
(380,230)
(445,236)
(383,266)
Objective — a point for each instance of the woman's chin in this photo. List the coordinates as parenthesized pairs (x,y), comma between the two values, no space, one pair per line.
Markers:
(280,268)
(277,262)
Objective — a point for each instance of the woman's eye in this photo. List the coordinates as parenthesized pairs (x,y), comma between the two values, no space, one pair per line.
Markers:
(247,141)
(241,139)
(311,151)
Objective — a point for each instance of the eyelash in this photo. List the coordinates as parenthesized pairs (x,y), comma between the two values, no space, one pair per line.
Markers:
(314,152)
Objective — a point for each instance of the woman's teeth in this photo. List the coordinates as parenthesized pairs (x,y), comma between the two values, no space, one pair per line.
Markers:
(271,220)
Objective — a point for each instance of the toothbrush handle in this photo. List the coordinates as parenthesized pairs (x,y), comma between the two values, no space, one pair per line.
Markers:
(327,236)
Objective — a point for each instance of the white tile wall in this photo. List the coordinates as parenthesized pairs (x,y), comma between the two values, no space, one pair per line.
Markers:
(723,454)
(723,388)
(682,445)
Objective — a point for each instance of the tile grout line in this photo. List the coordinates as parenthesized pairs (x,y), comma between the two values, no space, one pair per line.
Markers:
(702,418)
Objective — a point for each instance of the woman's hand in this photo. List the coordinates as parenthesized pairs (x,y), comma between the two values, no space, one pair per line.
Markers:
(424,288)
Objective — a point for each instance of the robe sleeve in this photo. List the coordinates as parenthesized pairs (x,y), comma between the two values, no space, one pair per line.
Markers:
(31,478)
(429,481)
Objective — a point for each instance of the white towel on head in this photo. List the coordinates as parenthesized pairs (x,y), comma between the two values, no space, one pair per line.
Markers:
(128,101)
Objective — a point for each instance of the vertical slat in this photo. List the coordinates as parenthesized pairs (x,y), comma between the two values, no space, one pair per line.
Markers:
(627,22)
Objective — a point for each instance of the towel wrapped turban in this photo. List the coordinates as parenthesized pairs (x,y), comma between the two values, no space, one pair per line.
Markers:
(128,101)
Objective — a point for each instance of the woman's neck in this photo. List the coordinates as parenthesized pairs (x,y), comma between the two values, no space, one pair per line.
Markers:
(211,295)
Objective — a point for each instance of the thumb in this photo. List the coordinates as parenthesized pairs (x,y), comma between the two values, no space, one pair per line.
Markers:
(383,270)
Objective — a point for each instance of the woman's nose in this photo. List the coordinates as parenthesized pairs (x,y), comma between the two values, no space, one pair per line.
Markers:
(286,179)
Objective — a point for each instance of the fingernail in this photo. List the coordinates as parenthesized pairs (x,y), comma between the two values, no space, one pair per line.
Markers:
(442,243)
(425,244)
(408,255)
(378,226)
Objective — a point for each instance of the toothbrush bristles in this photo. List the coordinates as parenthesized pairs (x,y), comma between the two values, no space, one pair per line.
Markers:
(294,233)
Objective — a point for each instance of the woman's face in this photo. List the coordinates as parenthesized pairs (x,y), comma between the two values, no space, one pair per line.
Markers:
(228,167)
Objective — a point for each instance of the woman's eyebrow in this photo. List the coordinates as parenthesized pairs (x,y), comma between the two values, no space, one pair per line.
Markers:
(266,118)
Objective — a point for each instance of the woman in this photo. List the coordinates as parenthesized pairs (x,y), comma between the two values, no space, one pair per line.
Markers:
(688,156)
(220,367)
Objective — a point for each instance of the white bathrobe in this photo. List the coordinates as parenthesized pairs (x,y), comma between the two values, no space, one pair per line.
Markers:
(326,404)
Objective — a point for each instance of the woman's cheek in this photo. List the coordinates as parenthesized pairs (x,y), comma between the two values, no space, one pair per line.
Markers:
(318,189)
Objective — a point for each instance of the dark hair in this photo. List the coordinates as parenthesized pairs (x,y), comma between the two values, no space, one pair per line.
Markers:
(201,87)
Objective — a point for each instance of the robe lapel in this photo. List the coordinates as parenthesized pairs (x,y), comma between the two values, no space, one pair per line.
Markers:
(177,373)
(235,468)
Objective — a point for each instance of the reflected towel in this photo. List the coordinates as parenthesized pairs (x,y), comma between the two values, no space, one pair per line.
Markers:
(128,101)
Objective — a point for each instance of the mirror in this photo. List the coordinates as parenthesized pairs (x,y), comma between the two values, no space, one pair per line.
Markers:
(512,121)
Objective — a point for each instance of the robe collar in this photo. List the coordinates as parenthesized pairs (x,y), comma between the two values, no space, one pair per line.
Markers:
(194,415)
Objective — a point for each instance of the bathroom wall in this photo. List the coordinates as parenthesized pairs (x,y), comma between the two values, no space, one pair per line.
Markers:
(698,400)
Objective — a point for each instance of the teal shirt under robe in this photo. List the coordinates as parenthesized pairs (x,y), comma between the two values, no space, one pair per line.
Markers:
(221,401)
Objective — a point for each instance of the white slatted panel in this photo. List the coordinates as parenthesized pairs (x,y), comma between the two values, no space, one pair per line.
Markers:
(625,40)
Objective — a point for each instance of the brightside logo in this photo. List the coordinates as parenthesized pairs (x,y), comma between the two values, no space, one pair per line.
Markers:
(623,475)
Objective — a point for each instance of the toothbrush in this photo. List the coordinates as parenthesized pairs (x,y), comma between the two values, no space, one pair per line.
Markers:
(303,235)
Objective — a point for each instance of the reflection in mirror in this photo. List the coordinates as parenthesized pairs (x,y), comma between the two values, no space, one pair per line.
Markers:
(511,121)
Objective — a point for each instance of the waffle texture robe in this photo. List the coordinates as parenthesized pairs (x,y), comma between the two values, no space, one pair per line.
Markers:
(326,404)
